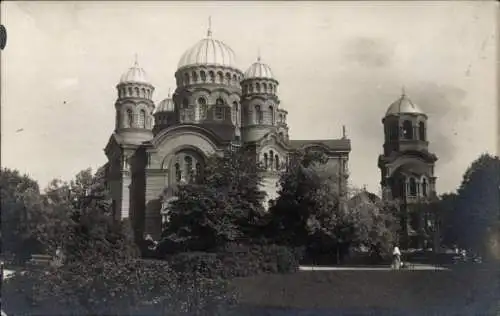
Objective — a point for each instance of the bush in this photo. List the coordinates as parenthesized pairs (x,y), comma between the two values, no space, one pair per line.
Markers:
(134,287)
(241,260)
(203,263)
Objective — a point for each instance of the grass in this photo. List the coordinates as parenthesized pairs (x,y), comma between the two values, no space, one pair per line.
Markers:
(461,291)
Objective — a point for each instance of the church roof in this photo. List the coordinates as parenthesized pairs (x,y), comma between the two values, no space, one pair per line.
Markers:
(208,51)
(259,70)
(403,105)
(342,144)
(166,105)
(135,74)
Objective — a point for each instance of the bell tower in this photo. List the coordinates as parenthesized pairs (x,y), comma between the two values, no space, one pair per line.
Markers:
(407,168)
(133,126)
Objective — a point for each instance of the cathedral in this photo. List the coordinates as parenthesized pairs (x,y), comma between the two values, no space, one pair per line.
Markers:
(215,106)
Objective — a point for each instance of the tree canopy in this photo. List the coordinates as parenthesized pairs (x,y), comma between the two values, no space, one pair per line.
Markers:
(477,208)
(224,204)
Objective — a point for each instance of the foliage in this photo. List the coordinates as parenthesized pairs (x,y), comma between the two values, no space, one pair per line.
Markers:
(300,201)
(205,263)
(22,210)
(224,205)
(448,220)
(312,211)
(240,260)
(119,287)
(375,223)
(477,207)
(236,260)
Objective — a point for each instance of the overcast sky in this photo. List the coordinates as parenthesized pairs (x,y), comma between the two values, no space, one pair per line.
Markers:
(337,63)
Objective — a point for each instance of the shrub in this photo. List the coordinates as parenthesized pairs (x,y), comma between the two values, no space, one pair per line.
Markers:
(119,288)
(241,260)
(203,263)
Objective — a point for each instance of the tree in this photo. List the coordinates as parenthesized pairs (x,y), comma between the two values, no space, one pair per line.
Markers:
(375,222)
(224,205)
(22,212)
(448,221)
(312,211)
(297,212)
(478,204)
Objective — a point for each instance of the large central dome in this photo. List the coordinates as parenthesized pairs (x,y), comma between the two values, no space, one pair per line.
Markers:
(208,51)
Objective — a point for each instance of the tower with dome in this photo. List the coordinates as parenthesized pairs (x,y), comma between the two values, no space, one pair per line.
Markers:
(407,167)
(215,106)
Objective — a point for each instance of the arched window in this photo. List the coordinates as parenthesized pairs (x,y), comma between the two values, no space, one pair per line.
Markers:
(136,92)
(220,77)
(178,174)
(250,88)
(185,103)
(271,159)
(424,187)
(413,187)
(407,130)
(228,78)
(219,101)
(202,102)
(219,113)
(195,76)
(189,168)
(258,115)
(130,93)
(421,130)
(203,76)
(235,113)
(277,162)
(142,119)
(186,79)
(212,76)
(130,118)
(143,93)
(198,171)
(264,87)
(235,79)
(265,161)
(282,136)
(393,131)
(271,112)
(257,87)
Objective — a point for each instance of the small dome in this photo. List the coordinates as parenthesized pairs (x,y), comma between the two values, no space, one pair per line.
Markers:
(135,74)
(208,51)
(259,70)
(166,105)
(403,105)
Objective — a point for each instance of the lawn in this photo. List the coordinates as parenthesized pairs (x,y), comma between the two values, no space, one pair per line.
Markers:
(462,291)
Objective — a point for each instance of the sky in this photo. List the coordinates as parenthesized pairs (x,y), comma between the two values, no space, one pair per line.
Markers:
(338,63)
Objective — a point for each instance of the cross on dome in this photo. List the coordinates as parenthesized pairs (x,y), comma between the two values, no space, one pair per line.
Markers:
(209,31)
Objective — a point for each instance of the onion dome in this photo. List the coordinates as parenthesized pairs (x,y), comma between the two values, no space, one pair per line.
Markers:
(208,51)
(135,74)
(259,70)
(403,105)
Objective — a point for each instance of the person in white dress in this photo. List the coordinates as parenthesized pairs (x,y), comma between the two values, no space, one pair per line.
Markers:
(396,254)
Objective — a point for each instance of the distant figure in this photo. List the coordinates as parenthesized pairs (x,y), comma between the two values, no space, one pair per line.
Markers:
(150,242)
(396,254)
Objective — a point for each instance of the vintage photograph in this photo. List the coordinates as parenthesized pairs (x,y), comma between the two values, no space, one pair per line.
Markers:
(250,158)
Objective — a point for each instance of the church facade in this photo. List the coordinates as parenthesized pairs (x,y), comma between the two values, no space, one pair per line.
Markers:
(215,106)
(407,170)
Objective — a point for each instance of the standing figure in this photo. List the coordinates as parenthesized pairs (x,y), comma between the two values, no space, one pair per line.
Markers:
(396,256)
